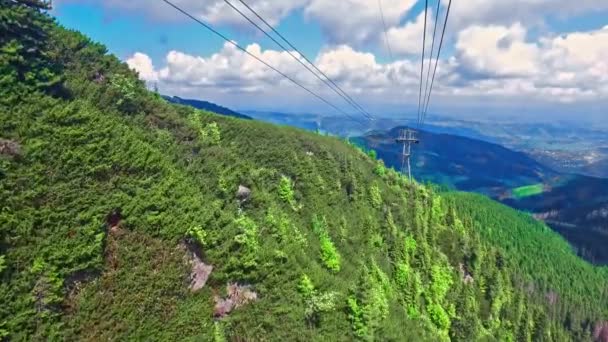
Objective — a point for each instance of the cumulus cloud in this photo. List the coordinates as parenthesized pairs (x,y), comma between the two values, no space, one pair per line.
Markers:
(497,51)
(491,62)
(143,65)
(231,71)
(356,21)
(407,39)
(562,68)
(501,12)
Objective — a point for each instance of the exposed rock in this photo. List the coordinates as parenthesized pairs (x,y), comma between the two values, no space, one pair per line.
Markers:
(200,273)
(10,148)
(466,277)
(600,333)
(237,296)
(546,215)
(113,219)
(99,78)
(243,193)
(551,298)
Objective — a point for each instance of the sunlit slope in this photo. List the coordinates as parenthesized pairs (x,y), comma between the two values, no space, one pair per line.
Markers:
(112,199)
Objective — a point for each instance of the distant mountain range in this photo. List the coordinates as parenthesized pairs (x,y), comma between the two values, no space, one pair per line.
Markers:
(204,105)
(574,205)
(563,146)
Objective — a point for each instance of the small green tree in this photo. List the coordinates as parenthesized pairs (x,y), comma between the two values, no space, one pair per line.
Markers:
(286,192)
(126,88)
(380,169)
(210,134)
(306,287)
(329,253)
(198,234)
(218,332)
(316,303)
(375,196)
(2,263)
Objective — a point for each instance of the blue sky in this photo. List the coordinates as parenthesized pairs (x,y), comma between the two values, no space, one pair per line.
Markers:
(499,58)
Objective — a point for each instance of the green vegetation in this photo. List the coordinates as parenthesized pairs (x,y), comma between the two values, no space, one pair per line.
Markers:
(528,190)
(112,179)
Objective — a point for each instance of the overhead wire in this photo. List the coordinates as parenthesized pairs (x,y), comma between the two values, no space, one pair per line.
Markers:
(184,12)
(428,72)
(426,7)
(445,22)
(388,43)
(327,81)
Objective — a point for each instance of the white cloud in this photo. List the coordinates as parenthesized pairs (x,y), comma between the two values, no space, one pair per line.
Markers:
(407,39)
(490,62)
(497,12)
(233,73)
(143,65)
(497,51)
(498,60)
(356,21)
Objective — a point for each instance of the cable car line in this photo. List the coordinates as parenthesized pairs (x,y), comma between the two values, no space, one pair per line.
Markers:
(388,43)
(445,22)
(428,72)
(426,7)
(182,11)
(327,81)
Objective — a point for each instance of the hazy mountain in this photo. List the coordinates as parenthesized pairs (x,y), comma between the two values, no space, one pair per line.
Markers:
(204,105)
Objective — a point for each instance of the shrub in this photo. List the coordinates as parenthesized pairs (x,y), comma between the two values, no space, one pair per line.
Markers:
(375,196)
(126,88)
(329,254)
(218,332)
(380,169)
(306,287)
(442,280)
(439,316)
(248,238)
(2,263)
(355,314)
(319,303)
(198,234)
(286,190)
(316,302)
(210,134)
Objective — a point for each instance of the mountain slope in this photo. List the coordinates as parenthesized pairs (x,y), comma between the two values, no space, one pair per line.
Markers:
(573,205)
(115,204)
(464,163)
(204,105)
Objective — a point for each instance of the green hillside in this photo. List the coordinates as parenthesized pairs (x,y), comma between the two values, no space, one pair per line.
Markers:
(111,198)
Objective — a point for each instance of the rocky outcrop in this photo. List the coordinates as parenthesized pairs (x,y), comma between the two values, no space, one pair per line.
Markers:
(600,333)
(10,148)
(238,295)
(200,273)
(243,193)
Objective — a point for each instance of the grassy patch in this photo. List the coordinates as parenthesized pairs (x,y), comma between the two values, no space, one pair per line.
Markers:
(528,190)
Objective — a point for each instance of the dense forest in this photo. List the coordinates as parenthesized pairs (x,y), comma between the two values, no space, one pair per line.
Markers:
(125,217)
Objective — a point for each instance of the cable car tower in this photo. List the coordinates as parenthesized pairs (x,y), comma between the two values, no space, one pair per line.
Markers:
(407,137)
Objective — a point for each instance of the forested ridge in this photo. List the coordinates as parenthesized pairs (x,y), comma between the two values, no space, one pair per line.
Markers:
(115,203)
